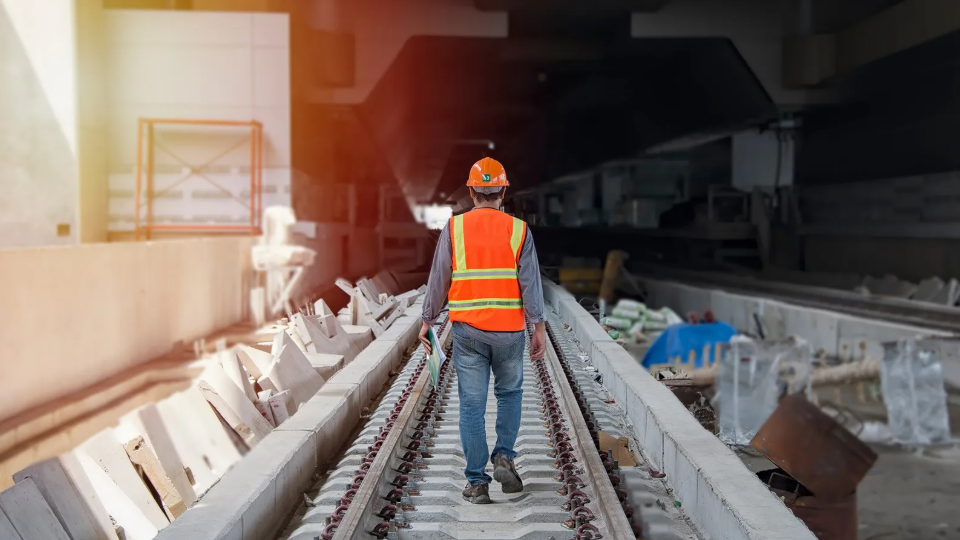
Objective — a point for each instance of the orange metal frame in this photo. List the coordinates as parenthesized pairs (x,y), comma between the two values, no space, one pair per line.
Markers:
(144,225)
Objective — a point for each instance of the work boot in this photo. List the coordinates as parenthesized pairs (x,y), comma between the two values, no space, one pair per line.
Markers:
(477,494)
(505,473)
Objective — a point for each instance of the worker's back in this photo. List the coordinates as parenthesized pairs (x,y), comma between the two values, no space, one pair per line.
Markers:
(484,291)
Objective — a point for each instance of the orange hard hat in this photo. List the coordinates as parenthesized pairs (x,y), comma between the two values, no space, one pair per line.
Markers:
(487,172)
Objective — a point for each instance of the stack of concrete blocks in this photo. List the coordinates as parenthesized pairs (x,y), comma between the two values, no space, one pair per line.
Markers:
(101,490)
(253,499)
(931,290)
(376,302)
(936,291)
(180,447)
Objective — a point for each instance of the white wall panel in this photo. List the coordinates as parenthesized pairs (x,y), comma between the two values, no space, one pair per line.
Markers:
(198,65)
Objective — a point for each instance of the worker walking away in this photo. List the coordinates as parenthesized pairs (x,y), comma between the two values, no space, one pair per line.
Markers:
(487,262)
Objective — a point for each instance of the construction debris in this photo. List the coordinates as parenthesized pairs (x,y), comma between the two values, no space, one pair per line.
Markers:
(373,304)
(693,394)
(820,466)
(813,448)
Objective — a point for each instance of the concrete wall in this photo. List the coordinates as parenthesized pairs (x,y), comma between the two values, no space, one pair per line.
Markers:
(73,316)
(38,123)
(908,226)
(198,65)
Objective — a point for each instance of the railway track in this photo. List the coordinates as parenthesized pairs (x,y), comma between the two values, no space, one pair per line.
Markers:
(402,478)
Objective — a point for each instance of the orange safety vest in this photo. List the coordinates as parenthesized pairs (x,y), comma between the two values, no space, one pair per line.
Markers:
(484,290)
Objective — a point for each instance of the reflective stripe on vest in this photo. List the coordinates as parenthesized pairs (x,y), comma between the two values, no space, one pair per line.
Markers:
(485,291)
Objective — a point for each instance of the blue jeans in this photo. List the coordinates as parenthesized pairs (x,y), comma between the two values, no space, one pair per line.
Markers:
(474,360)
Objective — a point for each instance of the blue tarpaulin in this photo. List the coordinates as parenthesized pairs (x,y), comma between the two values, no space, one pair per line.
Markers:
(679,339)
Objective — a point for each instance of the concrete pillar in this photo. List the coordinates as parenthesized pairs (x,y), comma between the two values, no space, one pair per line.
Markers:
(51,123)
(91,100)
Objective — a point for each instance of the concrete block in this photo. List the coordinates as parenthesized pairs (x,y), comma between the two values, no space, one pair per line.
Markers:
(233,368)
(553,294)
(292,371)
(404,329)
(331,415)
(7,531)
(321,308)
(327,336)
(256,361)
(233,405)
(158,436)
(121,508)
(948,295)
(360,336)
(251,501)
(571,309)
(889,285)
(200,441)
(142,455)
(740,505)
(928,289)
(29,513)
(298,339)
(371,369)
(326,365)
(71,497)
(118,485)
(408,298)
(263,405)
(281,406)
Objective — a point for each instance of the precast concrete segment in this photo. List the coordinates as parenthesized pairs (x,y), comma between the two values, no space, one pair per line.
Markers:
(722,498)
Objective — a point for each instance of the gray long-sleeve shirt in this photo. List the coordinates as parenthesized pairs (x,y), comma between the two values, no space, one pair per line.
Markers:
(531,290)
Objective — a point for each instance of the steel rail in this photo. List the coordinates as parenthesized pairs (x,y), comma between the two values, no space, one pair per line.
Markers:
(362,519)
(611,520)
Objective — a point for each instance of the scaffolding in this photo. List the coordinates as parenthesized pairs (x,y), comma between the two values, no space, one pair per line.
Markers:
(145,226)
